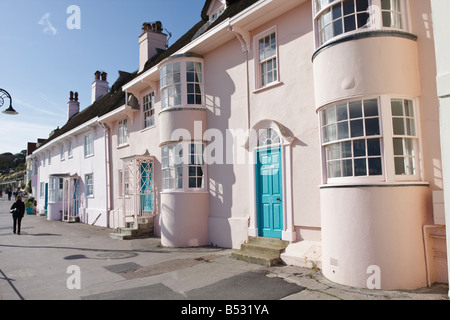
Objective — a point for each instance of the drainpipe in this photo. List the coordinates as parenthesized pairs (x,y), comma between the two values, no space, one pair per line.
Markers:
(107,171)
(245,49)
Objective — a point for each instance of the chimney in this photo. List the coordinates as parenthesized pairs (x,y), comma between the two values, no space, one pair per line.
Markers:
(100,86)
(151,40)
(73,106)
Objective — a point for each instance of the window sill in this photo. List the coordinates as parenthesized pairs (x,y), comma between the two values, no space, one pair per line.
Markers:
(269,86)
(122,146)
(376,185)
(148,128)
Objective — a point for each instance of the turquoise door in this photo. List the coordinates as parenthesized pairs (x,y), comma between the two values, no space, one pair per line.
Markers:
(269,192)
(146,184)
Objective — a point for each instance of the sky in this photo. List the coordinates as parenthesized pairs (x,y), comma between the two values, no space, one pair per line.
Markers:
(51,47)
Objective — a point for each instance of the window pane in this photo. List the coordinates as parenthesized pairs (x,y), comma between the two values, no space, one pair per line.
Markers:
(349,7)
(409,147)
(410,127)
(409,109)
(375,168)
(343,130)
(399,166)
(334,151)
(337,26)
(371,108)
(398,146)
(373,147)
(363,19)
(372,127)
(360,167)
(330,115)
(357,129)
(347,168)
(334,169)
(346,149)
(355,109)
(397,107)
(359,148)
(350,23)
(332,132)
(337,11)
(341,112)
(399,126)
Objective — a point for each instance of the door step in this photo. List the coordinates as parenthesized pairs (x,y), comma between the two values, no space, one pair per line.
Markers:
(263,251)
(143,230)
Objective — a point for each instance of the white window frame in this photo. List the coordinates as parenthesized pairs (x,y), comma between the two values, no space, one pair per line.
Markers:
(171,85)
(148,110)
(265,61)
(178,161)
(122,135)
(327,143)
(55,189)
(374,21)
(88,140)
(89,182)
(414,138)
(69,150)
(62,154)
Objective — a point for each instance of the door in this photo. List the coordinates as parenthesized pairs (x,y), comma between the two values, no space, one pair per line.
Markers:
(46,198)
(146,192)
(269,192)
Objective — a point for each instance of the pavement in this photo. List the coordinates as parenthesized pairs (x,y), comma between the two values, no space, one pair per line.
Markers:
(53,260)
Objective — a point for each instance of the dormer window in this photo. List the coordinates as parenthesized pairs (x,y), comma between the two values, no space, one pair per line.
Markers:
(216,9)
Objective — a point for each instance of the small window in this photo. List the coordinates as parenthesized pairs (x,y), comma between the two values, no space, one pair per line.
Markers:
(89,181)
(123,132)
(62,155)
(172,167)
(196,166)
(69,150)
(194,80)
(267,59)
(149,110)
(89,144)
(405,138)
(268,137)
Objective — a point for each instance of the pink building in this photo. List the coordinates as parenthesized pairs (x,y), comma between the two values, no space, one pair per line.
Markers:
(315,122)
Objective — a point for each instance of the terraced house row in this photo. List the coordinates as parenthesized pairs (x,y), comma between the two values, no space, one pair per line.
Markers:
(314,122)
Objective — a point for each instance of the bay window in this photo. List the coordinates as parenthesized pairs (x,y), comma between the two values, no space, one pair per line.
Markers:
(351,139)
(336,17)
(175,167)
(355,148)
(181,83)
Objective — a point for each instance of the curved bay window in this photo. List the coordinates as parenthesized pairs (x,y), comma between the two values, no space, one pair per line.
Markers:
(351,138)
(337,17)
(181,82)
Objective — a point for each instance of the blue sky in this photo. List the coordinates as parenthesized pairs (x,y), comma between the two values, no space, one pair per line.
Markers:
(42,60)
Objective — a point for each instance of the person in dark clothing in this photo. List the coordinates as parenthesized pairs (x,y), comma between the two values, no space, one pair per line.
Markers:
(18,211)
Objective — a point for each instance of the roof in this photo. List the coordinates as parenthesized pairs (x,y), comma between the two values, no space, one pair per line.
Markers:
(201,27)
(116,97)
(105,104)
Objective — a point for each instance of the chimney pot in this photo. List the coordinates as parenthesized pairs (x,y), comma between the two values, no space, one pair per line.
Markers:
(76,96)
(71,96)
(104,74)
(97,75)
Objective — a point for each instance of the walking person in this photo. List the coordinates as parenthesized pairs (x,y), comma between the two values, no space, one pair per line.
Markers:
(18,211)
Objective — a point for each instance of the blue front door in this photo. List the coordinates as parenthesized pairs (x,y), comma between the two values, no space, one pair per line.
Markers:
(269,192)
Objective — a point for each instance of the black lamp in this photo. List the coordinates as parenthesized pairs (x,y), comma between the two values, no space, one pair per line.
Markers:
(4,94)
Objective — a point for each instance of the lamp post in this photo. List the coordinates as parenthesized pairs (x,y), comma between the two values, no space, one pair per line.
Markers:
(4,94)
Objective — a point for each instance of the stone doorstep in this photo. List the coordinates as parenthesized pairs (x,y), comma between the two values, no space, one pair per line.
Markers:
(144,230)
(263,251)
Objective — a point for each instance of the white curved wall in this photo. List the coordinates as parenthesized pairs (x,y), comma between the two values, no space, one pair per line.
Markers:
(374,226)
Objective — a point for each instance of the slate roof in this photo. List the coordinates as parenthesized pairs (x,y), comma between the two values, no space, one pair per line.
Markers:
(116,97)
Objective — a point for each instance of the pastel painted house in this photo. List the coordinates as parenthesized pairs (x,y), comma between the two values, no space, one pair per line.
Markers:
(71,166)
(315,122)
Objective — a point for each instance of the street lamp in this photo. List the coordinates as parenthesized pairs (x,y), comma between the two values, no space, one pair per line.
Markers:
(4,94)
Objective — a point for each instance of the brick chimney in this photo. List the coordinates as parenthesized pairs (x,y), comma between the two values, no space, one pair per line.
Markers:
(73,106)
(100,86)
(151,40)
